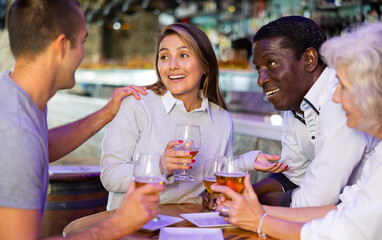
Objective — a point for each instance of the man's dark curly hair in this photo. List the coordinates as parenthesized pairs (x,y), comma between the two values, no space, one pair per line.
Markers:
(299,33)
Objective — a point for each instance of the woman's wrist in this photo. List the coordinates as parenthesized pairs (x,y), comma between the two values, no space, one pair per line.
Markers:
(261,234)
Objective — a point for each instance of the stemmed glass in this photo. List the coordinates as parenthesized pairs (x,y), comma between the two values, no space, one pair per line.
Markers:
(211,166)
(150,168)
(231,173)
(190,135)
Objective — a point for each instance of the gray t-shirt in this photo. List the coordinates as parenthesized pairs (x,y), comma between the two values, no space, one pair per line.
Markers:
(24,155)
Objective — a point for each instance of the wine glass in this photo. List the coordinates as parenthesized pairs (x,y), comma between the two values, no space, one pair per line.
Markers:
(211,166)
(150,168)
(231,173)
(190,135)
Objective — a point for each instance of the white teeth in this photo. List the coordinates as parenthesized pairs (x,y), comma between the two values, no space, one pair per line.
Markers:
(272,92)
(177,76)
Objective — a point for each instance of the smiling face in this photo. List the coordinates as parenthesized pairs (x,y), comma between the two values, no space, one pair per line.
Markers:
(343,95)
(284,79)
(179,68)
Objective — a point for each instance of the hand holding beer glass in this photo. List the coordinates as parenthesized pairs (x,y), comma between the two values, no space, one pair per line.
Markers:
(231,173)
(190,135)
(150,168)
(211,166)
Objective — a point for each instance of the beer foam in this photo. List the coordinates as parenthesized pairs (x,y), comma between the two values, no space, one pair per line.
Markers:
(230,174)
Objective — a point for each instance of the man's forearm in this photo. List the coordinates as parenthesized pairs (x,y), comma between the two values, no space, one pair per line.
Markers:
(66,138)
(104,230)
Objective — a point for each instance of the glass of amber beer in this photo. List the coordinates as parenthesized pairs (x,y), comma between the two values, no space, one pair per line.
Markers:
(211,166)
(231,173)
(190,135)
(150,168)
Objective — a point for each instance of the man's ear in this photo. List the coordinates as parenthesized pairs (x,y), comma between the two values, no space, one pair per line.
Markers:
(63,45)
(311,59)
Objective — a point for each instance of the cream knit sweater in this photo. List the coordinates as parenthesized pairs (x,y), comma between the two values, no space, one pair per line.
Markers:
(146,126)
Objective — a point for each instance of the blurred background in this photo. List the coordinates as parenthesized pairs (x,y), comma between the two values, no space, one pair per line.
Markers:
(121,44)
(120,51)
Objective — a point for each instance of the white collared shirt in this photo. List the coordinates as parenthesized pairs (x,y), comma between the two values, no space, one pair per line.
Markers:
(322,152)
(360,215)
(169,102)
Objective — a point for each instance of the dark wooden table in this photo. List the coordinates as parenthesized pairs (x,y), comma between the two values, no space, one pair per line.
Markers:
(165,209)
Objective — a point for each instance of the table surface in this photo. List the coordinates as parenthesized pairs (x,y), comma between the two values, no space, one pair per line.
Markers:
(165,209)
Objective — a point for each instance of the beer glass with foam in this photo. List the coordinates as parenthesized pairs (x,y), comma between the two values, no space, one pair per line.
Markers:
(150,168)
(231,173)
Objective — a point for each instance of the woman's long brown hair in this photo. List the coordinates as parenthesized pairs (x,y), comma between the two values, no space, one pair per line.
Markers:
(201,45)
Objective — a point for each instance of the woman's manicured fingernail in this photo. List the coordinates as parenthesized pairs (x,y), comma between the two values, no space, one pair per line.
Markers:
(189,167)
(193,160)
(180,141)
(192,153)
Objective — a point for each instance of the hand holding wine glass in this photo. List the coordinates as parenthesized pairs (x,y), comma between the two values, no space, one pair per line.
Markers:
(150,168)
(145,202)
(189,135)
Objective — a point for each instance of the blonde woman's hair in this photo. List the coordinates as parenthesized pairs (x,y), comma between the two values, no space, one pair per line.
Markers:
(360,53)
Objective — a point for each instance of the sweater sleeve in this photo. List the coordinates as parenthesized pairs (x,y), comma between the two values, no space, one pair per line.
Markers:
(249,159)
(229,146)
(119,144)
